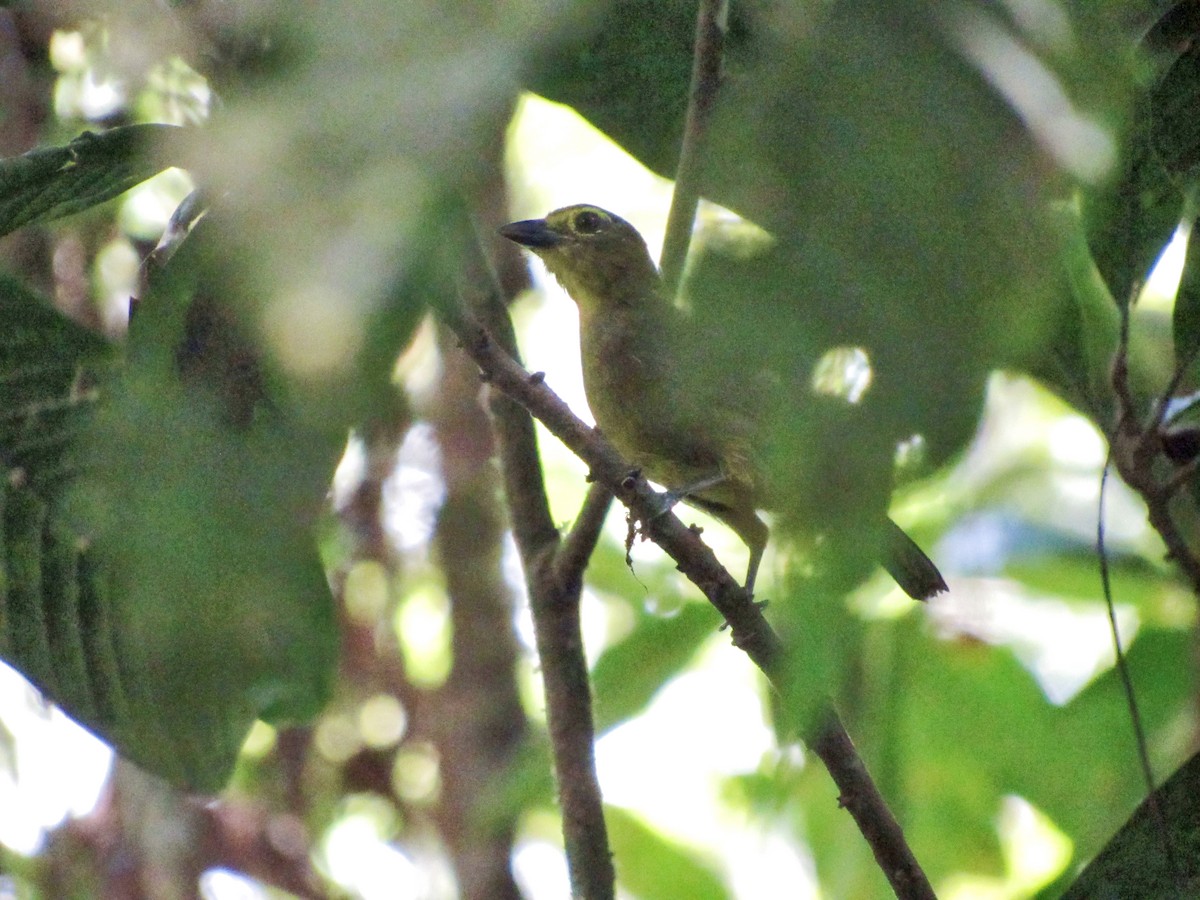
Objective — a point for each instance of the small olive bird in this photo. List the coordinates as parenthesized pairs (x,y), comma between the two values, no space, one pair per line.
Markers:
(698,437)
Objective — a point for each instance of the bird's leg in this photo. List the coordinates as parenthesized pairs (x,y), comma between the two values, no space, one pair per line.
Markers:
(673,497)
(742,519)
(750,528)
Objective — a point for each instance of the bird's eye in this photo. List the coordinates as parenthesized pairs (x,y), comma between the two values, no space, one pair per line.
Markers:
(588,222)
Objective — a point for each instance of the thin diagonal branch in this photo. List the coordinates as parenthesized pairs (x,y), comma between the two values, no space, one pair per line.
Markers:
(751,633)
(1126,678)
(859,796)
(572,557)
(695,559)
(1181,477)
(706,79)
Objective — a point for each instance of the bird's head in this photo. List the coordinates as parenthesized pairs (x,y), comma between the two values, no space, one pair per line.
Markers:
(598,257)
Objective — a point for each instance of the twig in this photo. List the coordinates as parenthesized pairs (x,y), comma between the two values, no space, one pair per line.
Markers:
(554,603)
(751,633)
(1181,477)
(1136,447)
(859,796)
(577,547)
(1126,678)
(706,78)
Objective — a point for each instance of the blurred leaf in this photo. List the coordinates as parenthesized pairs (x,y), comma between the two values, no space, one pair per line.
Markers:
(651,866)
(59,181)
(1131,217)
(530,781)
(1168,25)
(1112,783)
(1176,140)
(1074,576)
(907,216)
(630,672)
(630,63)
(1097,320)
(1131,222)
(49,370)
(1135,863)
(202,500)
(906,196)
(1051,560)
(821,638)
(951,790)
(844,863)
(970,715)
(342,244)
(1185,320)
(1175,135)
(179,596)
(907,204)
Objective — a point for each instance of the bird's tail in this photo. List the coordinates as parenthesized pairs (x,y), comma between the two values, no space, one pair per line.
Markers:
(909,566)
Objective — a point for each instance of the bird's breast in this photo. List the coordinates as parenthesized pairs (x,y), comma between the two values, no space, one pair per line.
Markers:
(620,384)
(640,403)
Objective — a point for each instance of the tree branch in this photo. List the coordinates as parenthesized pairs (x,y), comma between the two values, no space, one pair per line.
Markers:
(751,632)
(1136,448)
(706,78)
(554,603)
(859,796)
(576,549)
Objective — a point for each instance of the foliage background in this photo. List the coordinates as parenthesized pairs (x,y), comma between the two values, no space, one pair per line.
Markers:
(927,171)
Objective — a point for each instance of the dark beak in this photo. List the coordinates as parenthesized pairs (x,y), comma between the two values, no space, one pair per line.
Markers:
(532,233)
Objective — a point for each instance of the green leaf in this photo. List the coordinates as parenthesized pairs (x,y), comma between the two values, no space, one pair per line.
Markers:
(1097,321)
(1175,134)
(222,611)
(822,641)
(1136,862)
(48,372)
(1131,218)
(200,494)
(652,866)
(1185,318)
(49,368)
(1070,573)
(963,738)
(1108,782)
(631,63)
(26,641)
(159,578)
(54,182)
(906,192)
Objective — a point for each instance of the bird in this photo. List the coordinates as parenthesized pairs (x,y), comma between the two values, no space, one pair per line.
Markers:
(698,436)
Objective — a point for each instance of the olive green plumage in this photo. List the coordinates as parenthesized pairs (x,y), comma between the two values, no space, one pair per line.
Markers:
(698,436)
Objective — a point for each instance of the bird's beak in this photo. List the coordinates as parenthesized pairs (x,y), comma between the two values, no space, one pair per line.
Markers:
(533,233)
